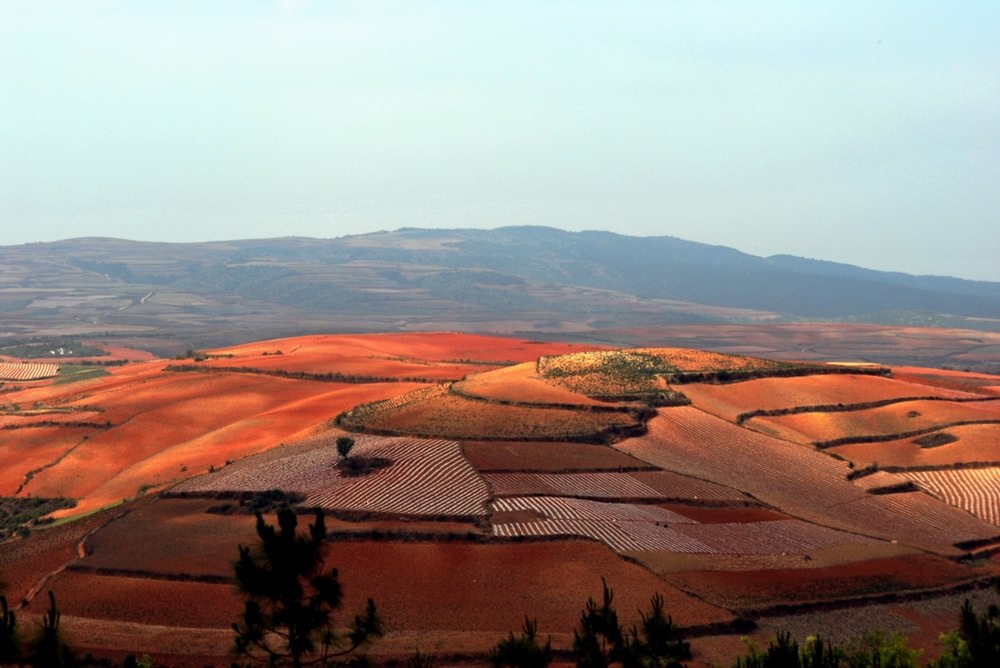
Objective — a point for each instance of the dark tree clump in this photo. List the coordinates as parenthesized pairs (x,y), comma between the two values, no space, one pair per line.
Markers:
(523,651)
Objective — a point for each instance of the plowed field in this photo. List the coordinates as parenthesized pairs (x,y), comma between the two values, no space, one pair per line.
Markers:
(29,371)
(974,490)
(425,477)
(609,485)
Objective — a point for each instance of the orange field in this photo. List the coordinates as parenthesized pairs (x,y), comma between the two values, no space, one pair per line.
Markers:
(437,356)
(975,443)
(520,384)
(731,400)
(900,418)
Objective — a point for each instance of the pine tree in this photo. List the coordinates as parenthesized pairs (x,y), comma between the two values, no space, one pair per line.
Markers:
(290,600)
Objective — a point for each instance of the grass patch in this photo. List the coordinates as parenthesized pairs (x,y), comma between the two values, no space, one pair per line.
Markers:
(18,514)
(72,373)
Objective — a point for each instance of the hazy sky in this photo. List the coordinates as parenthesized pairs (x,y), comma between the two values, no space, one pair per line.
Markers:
(865,132)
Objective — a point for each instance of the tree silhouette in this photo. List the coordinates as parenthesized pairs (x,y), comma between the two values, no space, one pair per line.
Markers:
(344,445)
(599,641)
(289,599)
(48,650)
(9,646)
(523,651)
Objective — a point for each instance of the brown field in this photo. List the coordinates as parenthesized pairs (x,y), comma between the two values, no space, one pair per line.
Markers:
(546,456)
(25,450)
(444,415)
(731,400)
(976,443)
(900,418)
(981,383)
(756,589)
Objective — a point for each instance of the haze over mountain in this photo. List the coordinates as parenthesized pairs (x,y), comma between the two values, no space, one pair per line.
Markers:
(529,279)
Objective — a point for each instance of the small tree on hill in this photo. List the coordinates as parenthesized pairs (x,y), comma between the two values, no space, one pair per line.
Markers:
(289,599)
(344,445)
(599,641)
(48,650)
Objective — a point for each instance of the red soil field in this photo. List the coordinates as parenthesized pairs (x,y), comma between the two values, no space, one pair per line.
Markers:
(730,400)
(803,483)
(980,383)
(754,589)
(442,356)
(900,418)
(546,456)
(488,589)
(176,425)
(171,536)
(520,384)
(976,443)
(142,600)
(24,450)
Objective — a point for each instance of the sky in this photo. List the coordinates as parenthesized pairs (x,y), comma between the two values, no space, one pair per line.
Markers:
(862,132)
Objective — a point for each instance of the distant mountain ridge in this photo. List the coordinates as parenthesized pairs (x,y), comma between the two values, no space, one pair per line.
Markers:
(545,278)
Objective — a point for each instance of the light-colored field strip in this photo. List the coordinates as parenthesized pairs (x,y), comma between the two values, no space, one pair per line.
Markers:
(562,508)
(974,490)
(426,477)
(621,536)
(29,371)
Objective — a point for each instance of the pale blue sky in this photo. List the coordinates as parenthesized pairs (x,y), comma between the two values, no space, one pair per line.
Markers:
(862,132)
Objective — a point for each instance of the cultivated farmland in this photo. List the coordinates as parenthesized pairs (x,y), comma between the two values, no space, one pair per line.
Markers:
(27,371)
(976,490)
